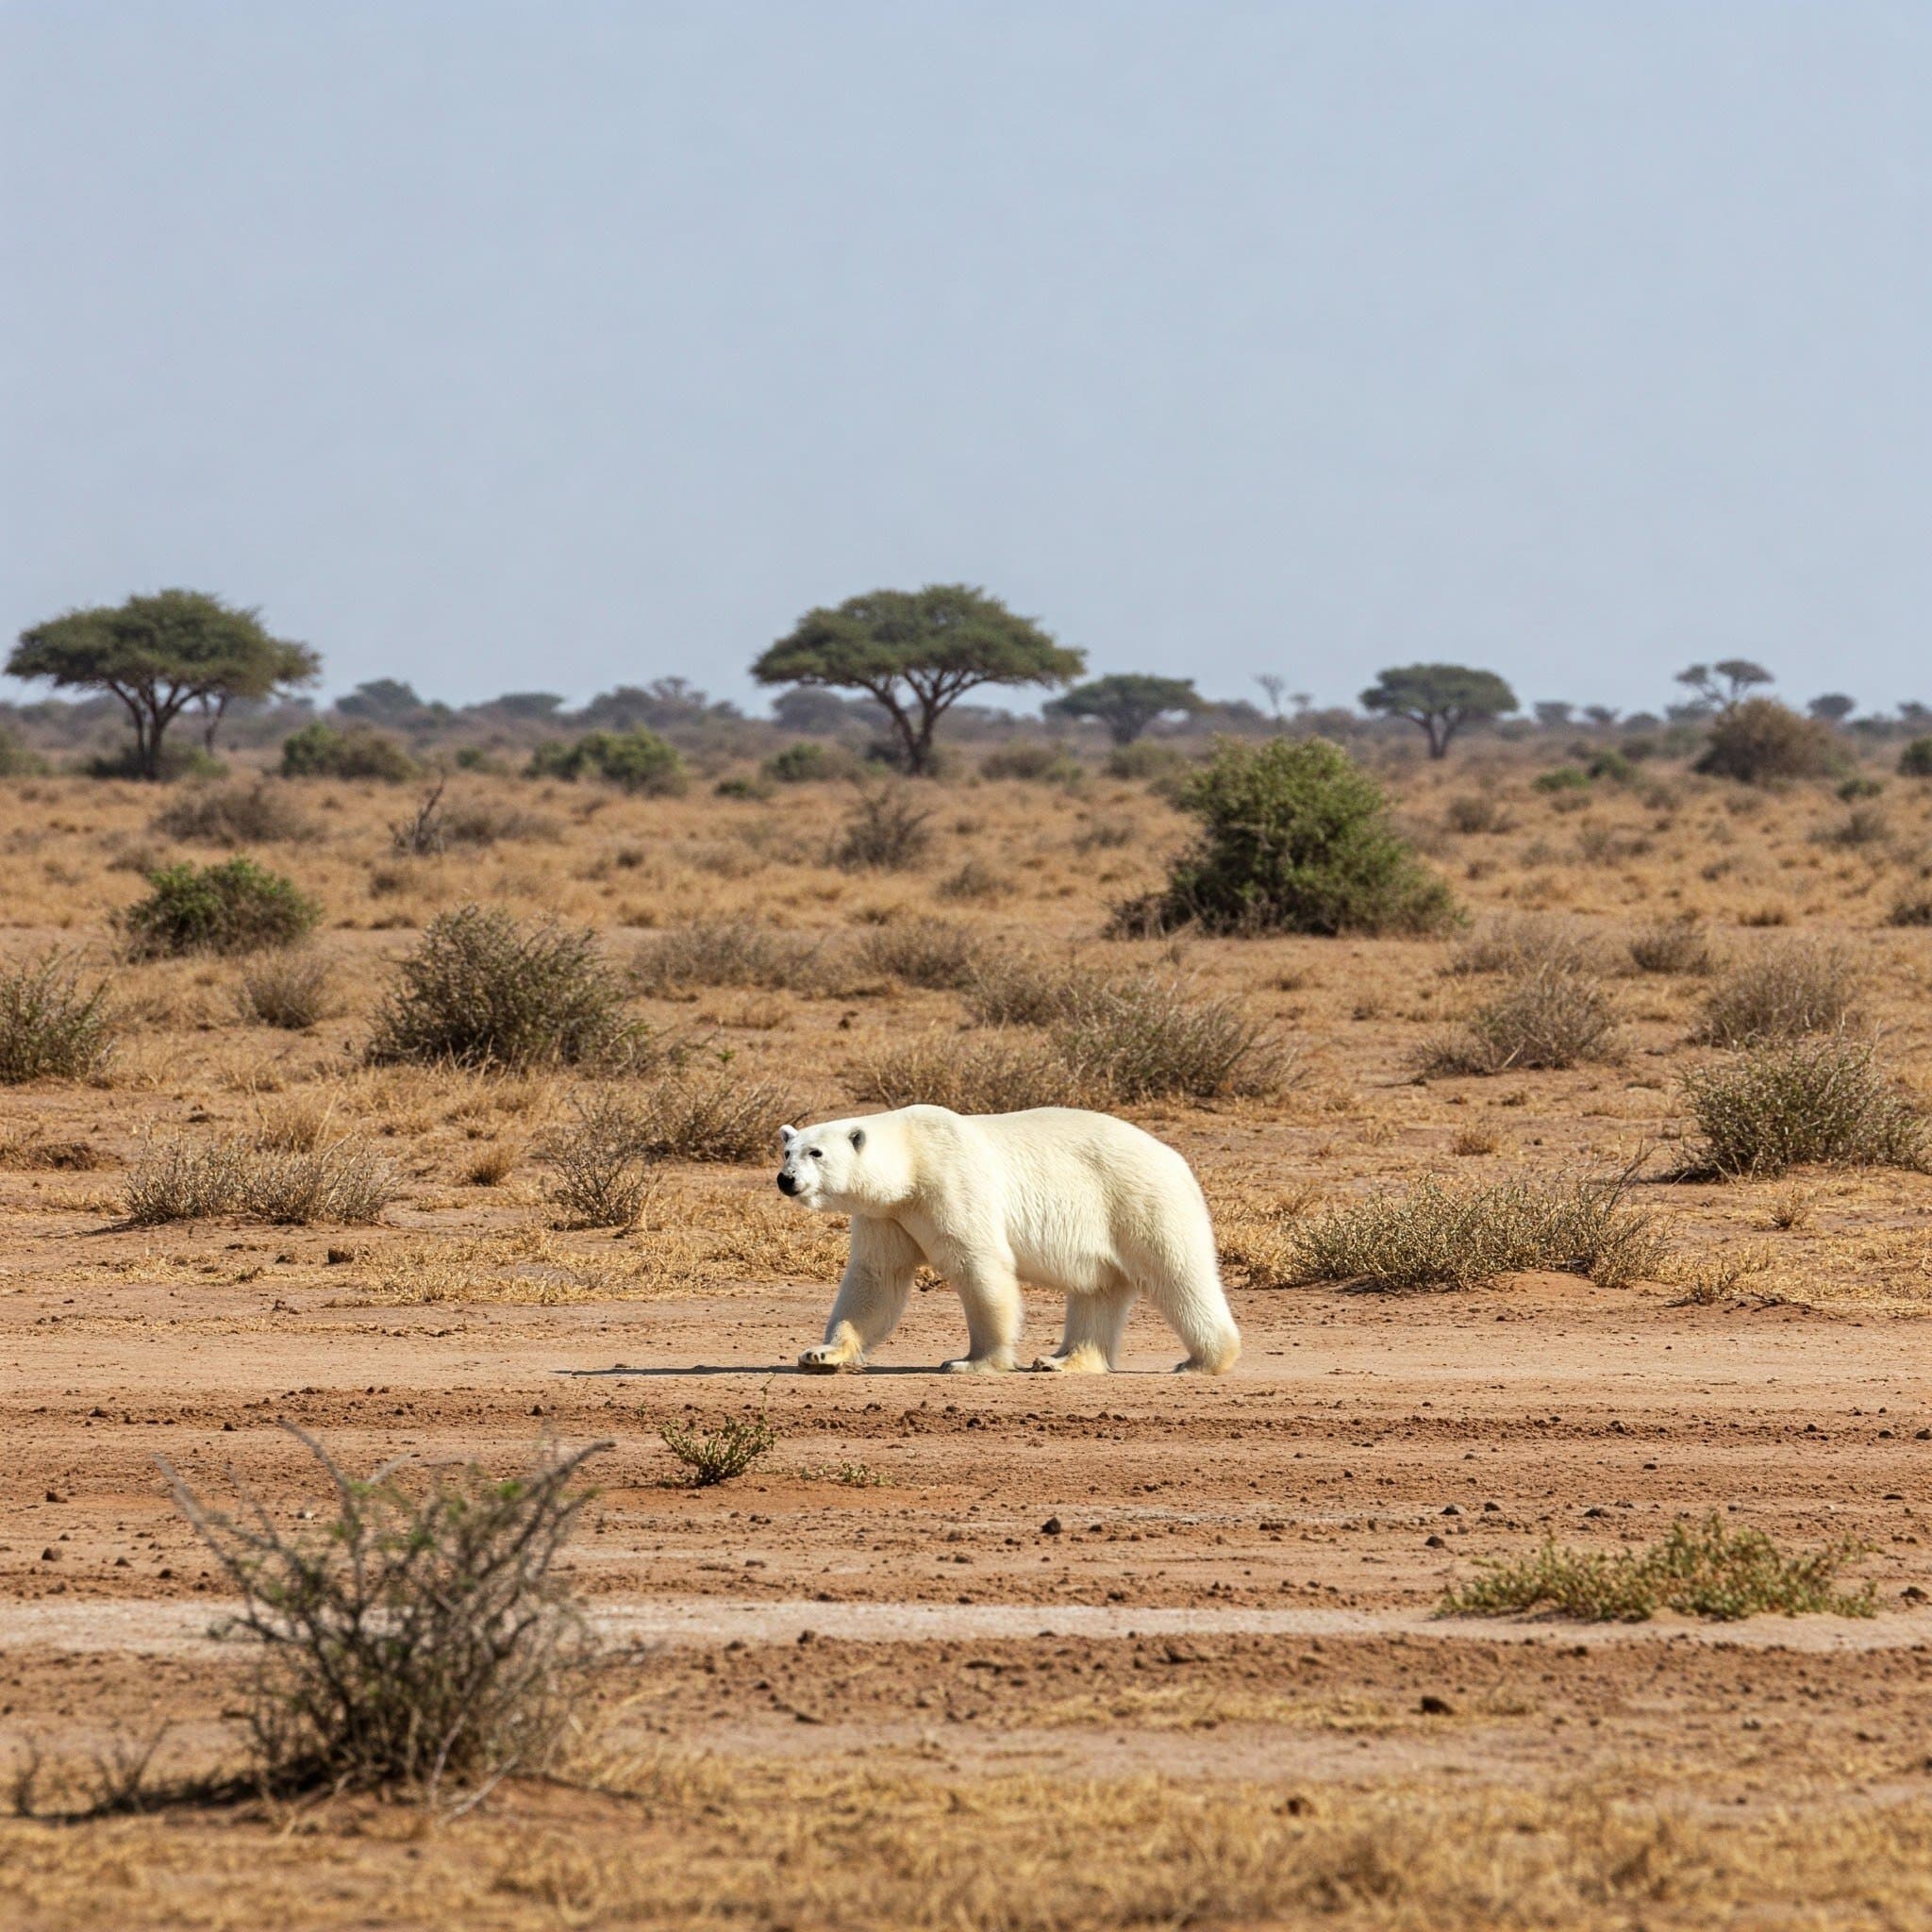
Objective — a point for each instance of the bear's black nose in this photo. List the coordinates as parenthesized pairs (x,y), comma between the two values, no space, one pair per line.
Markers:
(787,1185)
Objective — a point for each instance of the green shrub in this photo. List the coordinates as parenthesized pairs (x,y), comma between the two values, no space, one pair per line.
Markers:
(637,760)
(728,1451)
(321,751)
(1915,760)
(1698,1569)
(18,759)
(231,815)
(1613,767)
(418,1637)
(51,1027)
(808,762)
(1295,839)
(238,907)
(482,990)
(1761,741)
(1861,785)
(1564,778)
(1439,1234)
(1776,1107)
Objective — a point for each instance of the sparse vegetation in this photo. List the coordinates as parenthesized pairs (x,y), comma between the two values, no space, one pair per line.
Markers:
(1784,1104)
(998,1074)
(1760,742)
(1549,1016)
(1296,838)
(232,815)
(184,1179)
(724,952)
(717,1116)
(930,952)
(1782,992)
(1696,1568)
(291,988)
(1442,1235)
(885,832)
(52,1026)
(718,1455)
(1148,1039)
(1673,946)
(420,1640)
(600,1175)
(1522,944)
(238,907)
(483,990)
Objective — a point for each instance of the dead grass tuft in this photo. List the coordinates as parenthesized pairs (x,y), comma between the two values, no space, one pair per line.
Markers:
(1548,1016)
(1783,993)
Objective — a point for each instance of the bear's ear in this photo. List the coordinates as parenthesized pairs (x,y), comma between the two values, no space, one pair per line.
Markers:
(857,1138)
(787,1135)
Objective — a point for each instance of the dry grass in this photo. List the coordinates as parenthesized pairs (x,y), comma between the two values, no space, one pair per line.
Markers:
(1673,946)
(52,1026)
(190,1180)
(1522,944)
(1784,992)
(1439,1234)
(1004,1074)
(1548,1016)
(291,989)
(736,952)
(934,954)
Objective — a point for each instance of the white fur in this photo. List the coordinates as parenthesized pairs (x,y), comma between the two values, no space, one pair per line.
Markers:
(1065,1200)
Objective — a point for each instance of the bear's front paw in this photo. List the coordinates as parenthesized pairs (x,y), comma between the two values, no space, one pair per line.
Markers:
(980,1365)
(825,1360)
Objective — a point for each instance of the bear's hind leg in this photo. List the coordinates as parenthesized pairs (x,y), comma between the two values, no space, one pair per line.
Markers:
(1186,1288)
(1090,1341)
(994,1319)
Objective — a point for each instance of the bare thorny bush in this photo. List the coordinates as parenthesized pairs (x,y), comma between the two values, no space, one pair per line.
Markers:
(189,1180)
(423,1642)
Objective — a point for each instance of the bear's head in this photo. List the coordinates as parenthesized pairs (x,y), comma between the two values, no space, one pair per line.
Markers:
(844,1167)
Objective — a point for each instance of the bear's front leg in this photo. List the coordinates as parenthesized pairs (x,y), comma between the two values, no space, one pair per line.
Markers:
(870,1298)
(994,1319)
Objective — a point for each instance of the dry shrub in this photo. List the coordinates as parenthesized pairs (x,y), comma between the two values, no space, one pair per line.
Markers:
(727,1451)
(1698,1569)
(234,815)
(186,1180)
(974,883)
(1783,993)
(51,1027)
(715,1117)
(1674,946)
(992,1075)
(1442,1235)
(724,952)
(1912,908)
(1761,741)
(291,989)
(1781,1105)
(483,990)
(600,1176)
(884,832)
(1150,1039)
(1527,942)
(1020,990)
(931,953)
(1550,1017)
(1477,812)
(422,1639)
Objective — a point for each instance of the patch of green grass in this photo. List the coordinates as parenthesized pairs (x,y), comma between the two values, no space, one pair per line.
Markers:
(1697,1568)
(728,1451)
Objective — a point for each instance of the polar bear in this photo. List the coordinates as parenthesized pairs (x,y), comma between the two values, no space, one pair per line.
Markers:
(1063,1199)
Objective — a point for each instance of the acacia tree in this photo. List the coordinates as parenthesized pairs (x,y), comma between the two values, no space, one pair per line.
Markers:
(1441,698)
(1720,686)
(916,653)
(1833,707)
(1128,701)
(161,653)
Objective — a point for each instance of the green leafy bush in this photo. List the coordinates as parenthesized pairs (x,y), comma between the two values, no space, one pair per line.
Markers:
(808,762)
(1779,1106)
(321,751)
(1761,741)
(1034,760)
(1148,763)
(1564,778)
(1698,1569)
(18,759)
(1915,760)
(637,760)
(482,990)
(1295,839)
(51,1027)
(727,1451)
(238,907)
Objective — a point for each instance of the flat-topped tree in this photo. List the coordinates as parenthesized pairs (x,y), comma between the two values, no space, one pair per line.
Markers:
(1441,698)
(161,653)
(917,653)
(1720,687)
(1128,701)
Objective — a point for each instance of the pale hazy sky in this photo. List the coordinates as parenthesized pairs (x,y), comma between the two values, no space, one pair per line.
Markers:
(554,346)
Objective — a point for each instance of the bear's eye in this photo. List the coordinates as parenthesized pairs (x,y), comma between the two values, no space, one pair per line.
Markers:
(816,1153)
